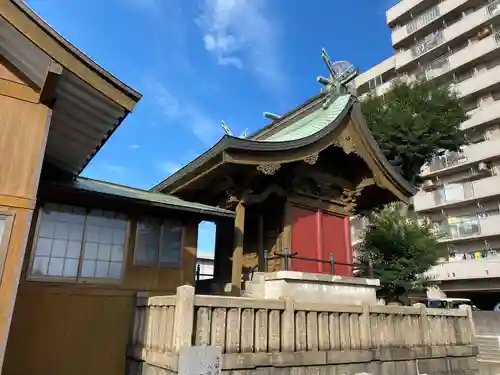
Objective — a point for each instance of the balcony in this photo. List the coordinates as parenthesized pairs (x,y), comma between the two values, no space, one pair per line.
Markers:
(470,155)
(423,19)
(401,8)
(455,60)
(483,115)
(457,193)
(469,22)
(457,229)
(478,82)
(466,269)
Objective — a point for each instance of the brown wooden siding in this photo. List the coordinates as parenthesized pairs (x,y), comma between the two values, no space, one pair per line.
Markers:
(80,329)
(23,133)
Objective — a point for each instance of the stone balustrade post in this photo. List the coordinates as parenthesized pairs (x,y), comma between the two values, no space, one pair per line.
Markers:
(183,317)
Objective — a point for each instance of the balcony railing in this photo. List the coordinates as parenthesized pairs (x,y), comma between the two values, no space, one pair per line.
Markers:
(484,224)
(460,227)
(429,42)
(423,19)
(454,193)
(447,160)
(493,8)
(443,64)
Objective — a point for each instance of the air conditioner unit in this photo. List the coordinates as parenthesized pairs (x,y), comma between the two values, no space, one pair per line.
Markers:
(484,33)
(429,185)
(483,167)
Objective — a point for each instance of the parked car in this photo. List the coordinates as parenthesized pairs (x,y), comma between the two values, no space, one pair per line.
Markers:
(443,303)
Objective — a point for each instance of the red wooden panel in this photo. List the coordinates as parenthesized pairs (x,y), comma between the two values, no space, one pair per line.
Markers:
(306,234)
(336,240)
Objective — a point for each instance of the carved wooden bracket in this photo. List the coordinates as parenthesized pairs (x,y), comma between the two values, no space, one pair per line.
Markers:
(233,198)
(312,159)
(268,169)
(346,142)
(349,196)
(250,199)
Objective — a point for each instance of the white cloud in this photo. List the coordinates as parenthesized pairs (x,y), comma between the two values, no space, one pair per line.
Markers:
(238,32)
(133,146)
(185,113)
(169,167)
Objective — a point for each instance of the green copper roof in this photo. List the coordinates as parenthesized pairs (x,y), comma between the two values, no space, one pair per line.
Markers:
(312,123)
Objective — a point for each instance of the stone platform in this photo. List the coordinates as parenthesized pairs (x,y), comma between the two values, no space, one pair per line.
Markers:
(312,287)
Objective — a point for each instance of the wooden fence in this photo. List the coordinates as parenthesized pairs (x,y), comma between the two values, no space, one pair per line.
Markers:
(283,332)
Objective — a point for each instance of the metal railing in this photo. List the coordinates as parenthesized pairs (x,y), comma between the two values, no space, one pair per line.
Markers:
(462,228)
(429,42)
(423,19)
(447,160)
(287,256)
(493,8)
(455,192)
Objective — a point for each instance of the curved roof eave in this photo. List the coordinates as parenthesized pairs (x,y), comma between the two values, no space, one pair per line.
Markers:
(233,143)
(359,120)
(227,143)
(34,28)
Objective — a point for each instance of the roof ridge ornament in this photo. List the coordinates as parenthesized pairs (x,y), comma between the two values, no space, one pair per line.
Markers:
(341,73)
(230,133)
(226,128)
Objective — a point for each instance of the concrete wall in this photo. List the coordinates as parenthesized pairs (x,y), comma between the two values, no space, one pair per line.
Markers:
(487,322)
(289,337)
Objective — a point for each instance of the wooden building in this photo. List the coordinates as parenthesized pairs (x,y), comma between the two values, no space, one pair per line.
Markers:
(293,184)
(74,252)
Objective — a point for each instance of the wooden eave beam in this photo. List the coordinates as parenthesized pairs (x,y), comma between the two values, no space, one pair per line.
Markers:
(48,91)
(67,55)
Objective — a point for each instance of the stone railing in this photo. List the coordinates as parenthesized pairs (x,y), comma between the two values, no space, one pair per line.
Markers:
(283,333)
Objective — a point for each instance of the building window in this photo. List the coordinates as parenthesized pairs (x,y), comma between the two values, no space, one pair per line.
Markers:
(375,82)
(78,244)
(158,242)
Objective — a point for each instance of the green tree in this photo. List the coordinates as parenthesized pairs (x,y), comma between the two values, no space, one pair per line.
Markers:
(400,248)
(414,122)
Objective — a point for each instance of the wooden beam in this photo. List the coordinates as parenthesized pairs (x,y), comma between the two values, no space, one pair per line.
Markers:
(48,92)
(239,229)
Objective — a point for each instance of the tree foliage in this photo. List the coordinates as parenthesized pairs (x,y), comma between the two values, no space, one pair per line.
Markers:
(414,122)
(400,248)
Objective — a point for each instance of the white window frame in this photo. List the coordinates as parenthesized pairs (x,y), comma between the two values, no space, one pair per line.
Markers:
(158,262)
(78,278)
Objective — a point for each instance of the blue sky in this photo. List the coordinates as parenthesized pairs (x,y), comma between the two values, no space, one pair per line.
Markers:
(198,62)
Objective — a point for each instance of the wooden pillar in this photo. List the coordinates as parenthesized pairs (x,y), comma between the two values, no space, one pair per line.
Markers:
(287,227)
(260,244)
(223,249)
(239,229)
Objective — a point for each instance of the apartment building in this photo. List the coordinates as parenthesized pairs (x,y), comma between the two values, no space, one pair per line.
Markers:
(457,41)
